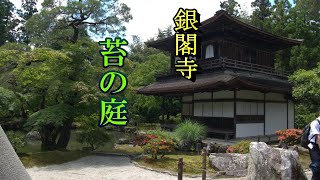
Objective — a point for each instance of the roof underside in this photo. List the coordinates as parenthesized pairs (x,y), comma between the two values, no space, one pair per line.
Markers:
(223,25)
(225,80)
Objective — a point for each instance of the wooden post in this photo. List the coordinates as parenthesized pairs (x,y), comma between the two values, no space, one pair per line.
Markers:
(198,147)
(204,162)
(180,168)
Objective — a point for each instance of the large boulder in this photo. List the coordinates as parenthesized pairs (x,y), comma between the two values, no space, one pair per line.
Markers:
(33,136)
(273,163)
(230,164)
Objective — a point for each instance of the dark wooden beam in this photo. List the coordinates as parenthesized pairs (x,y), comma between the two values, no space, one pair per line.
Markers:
(287,113)
(162,108)
(264,113)
(235,112)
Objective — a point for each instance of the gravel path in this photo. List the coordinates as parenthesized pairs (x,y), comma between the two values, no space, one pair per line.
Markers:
(97,167)
(102,168)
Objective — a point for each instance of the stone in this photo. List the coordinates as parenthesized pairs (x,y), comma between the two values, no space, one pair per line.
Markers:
(10,164)
(273,163)
(33,136)
(294,148)
(184,145)
(123,141)
(283,145)
(131,130)
(216,148)
(232,163)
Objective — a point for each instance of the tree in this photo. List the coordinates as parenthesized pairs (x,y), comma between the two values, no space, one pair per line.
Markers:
(90,133)
(231,6)
(29,8)
(306,91)
(7,22)
(261,14)
(57,23)
(305,24)
(280,19)
(55,83)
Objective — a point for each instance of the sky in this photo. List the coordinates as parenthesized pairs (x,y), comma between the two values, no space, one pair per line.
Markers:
(149,15)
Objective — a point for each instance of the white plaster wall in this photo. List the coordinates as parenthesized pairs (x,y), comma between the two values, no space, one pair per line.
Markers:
(213,109)
(223,95)
(186,98)
(243,108)
(201,96)
(276,117)
(246,94)
(275,97)
(250,108)
(291,114)
(250,129)
(260,108)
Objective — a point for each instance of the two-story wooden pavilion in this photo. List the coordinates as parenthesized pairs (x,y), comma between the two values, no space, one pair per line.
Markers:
(239,92)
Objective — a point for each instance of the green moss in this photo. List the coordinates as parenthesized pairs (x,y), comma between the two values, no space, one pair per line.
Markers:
(170,163)
(304,159)
(50,157)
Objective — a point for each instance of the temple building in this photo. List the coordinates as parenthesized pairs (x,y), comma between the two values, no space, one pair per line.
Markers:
(239,93)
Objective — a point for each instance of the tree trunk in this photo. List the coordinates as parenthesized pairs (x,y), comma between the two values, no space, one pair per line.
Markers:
(64,135)
(47,142)
(75,35)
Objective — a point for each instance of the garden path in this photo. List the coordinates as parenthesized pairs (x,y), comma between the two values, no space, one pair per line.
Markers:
(101,167)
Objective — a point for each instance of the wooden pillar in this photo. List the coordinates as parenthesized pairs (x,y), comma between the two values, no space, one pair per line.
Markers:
(192,114)
(162,109)
(235,111)
(287,113)
(168,109)
(204,163)
(172,64)
(264,113)
(180,168)
(294,114)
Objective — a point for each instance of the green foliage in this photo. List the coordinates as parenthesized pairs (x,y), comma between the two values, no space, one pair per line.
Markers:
(89,132)
(261,14)
(17,140)
(231,6)
(159,145)
(191,132)
(242,147)
(303,116)
(155,143)
(306,86)
(7,21)
(57,23)
(9,103)
(51,116)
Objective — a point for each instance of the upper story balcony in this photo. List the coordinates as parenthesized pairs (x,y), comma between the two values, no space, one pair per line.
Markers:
(223,63)
(217,64)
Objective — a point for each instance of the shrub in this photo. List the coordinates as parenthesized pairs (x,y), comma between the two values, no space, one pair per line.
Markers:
(90,134)
(289,136)
(155,142)
(191,132)
(159,145)
(242,147)
(17,140)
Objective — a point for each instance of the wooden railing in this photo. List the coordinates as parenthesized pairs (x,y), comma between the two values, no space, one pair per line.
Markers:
(246,66)
(221,63)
